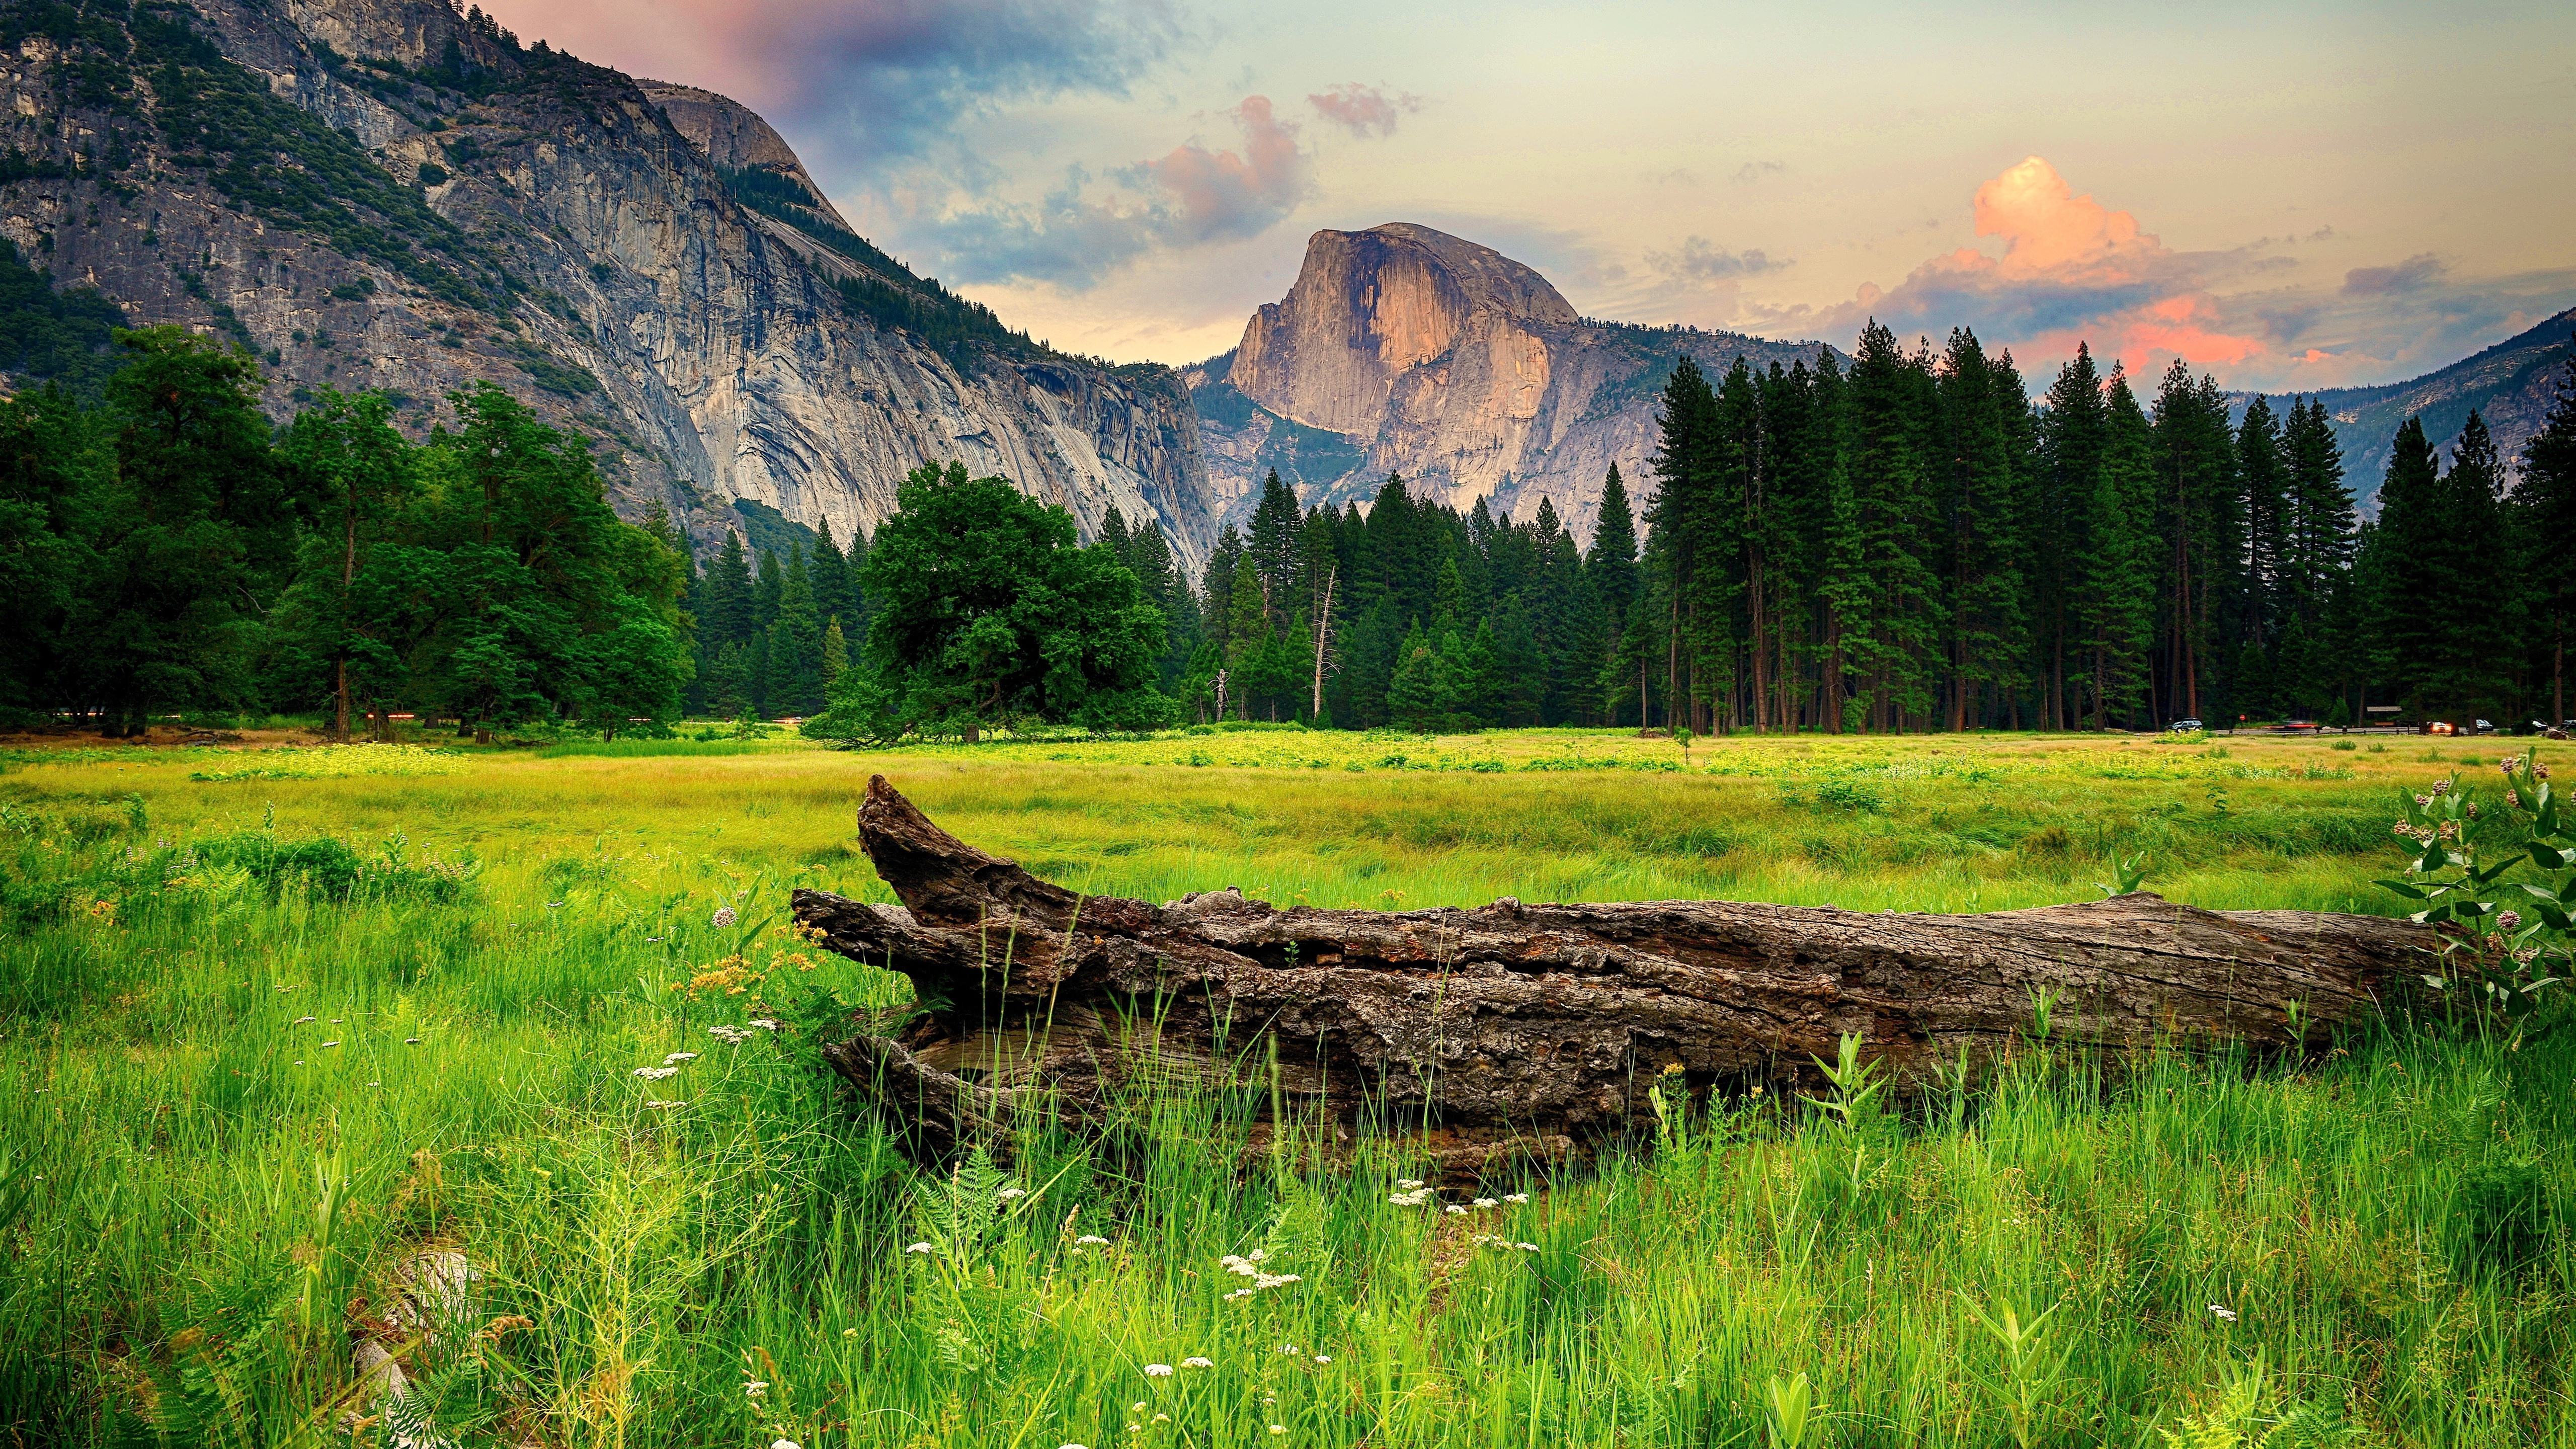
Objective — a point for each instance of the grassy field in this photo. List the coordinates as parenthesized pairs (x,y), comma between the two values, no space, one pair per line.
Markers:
(278,1022)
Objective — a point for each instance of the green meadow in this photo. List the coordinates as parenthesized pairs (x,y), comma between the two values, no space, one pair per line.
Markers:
(276,1023)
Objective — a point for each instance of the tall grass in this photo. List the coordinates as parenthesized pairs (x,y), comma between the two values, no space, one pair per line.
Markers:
(179,1260)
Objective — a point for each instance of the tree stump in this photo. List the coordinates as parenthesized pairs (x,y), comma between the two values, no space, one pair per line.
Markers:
(1519,1028)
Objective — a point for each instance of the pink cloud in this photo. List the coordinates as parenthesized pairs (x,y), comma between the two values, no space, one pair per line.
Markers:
(2047,227)
(2071,270)
(1363,110)
(1219,193)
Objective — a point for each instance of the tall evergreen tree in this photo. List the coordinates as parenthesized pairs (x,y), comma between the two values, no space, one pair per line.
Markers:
(2546,501)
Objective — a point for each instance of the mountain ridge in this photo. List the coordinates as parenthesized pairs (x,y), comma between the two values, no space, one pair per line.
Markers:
(388,193)
(1405,350)
(2511,384)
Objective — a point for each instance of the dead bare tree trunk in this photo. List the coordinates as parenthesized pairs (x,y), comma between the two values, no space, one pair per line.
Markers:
(1512,1027)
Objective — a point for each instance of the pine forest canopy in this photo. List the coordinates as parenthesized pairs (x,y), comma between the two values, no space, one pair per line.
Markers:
(1902,544)
(168,548)
(1910,544)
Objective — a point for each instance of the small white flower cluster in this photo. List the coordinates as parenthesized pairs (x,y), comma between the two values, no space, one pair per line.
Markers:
(1489,1240)
(1516,1197)
(1009,1193)
(2223,1312)
(737,1035)
(1091,1240)
(723,917)
(675,1058)
(1411,1193)
(1195,1362)
(659,1103)
(918,1248)
(655,1074)
(1157,1371)
(755,1388)
(1251,1268)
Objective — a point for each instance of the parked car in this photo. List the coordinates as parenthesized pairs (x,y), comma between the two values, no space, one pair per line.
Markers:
(2186,726)
(2440,727)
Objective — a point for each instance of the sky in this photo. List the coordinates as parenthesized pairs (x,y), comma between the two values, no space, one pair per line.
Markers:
(2290,196)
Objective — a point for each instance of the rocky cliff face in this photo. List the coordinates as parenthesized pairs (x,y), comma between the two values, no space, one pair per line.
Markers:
(1405,350)
(2511,385)
(381,193)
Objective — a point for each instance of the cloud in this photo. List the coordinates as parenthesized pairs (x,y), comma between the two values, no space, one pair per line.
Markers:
(881,84)
(2071,269)
(1082,231)
(1364,111)
(1752,171)
(2411,275)
(1697,260)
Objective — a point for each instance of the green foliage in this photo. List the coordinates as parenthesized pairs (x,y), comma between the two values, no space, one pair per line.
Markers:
(2501,890)
(50,336)
(987,613)
(171,1266)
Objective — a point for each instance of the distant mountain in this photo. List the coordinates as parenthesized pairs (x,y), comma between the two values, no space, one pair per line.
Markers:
(393,194)
(1401,349)
(2510,384)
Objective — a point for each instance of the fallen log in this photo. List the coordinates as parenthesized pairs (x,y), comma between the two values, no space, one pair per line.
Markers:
(1518,1028)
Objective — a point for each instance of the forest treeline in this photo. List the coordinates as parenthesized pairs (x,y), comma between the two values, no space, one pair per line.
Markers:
(164,547)
(1913,544)
(1908,543)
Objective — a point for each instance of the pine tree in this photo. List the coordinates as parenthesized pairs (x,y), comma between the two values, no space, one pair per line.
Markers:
(1272,544)
(2472,669)
(1612,562)
(2546,500)
(728,617)
(2072,437)
(836,656)
(768,593)
(2412,609)
(796,648)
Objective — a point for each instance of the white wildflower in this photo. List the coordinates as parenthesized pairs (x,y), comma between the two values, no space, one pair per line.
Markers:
(918,1248)
(1526,1247)
(1091,1240)
(655,1074)
(1137,1407)
(299,1021)
(755,1388)
(675,1058)
(1323,1358)
(723,917)
(1287,1348)
(1516,1197)
(1162,1418)
(1278,1428)
(1455,1211)
(2228,1314)
(1008,1193)
(1239,1293)
(1417,1197)
(1486,1202)
(1198,1363)
(1157,1371)
(1408,1182)
(729,1035)
(665,1104)
(765,1023)
(784,1444)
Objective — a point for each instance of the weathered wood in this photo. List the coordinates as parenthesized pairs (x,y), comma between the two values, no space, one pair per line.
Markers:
(1517,1024)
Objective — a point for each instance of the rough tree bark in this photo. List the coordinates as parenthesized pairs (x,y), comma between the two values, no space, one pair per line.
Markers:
(1520,1028)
